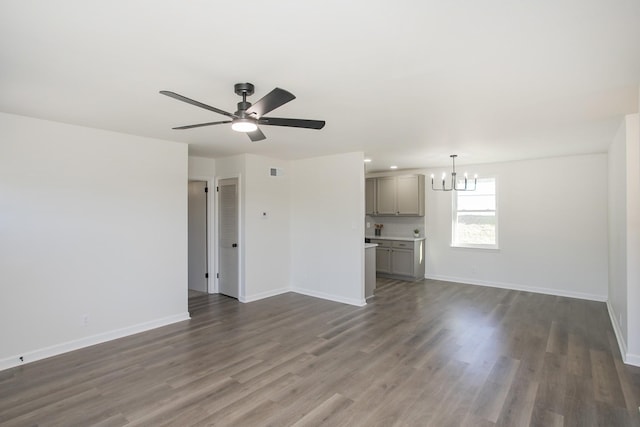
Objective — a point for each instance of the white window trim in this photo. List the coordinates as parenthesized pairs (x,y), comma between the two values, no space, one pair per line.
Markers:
(454,212)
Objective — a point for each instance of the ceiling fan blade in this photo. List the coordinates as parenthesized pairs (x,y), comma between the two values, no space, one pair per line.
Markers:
(296,123)
(256,135)
(202,124)
(196,103)
(270,102)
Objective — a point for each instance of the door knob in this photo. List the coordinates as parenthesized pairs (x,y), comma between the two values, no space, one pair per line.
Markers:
(235,245)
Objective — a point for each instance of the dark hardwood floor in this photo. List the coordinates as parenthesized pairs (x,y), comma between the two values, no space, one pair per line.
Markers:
(420,354)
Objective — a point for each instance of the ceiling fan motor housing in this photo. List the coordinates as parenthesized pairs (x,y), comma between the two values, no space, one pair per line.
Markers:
(243,106)
(243,89)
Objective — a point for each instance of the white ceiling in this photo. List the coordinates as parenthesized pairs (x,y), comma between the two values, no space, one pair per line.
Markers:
(407,82)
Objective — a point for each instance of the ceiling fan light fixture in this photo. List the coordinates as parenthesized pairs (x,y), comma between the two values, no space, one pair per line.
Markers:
(248,115)
(244,125)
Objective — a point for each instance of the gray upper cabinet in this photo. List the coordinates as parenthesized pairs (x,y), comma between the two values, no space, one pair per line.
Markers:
(410,195)
(386,195)
(395,195)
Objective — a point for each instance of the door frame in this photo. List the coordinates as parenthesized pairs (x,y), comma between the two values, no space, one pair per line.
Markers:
(211,284)
(241,252)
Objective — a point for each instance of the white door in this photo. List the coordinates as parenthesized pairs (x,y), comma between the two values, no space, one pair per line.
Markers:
(197,209)
(228,237)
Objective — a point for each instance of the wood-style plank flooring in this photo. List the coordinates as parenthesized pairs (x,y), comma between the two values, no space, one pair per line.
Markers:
(426,353)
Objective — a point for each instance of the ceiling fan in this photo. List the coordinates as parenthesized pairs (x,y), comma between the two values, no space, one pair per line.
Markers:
(249,116)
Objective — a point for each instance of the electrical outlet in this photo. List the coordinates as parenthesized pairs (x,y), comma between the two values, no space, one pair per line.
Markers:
(85,320)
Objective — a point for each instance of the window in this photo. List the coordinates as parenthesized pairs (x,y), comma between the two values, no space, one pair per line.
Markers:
(475,219)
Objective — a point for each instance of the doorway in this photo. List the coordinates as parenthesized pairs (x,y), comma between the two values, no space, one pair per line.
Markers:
(198,236)
(228,283)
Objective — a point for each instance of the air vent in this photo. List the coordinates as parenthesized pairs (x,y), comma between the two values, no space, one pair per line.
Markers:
(275,172)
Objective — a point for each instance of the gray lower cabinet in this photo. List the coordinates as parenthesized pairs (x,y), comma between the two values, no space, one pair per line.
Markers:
(399,258)
(369,272)
(383,260)
(402,262)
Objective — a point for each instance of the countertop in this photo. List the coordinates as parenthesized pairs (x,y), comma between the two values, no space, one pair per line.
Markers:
(370,245)
(407,239)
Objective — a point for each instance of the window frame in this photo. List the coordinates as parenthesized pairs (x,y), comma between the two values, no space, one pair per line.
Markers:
(454,220)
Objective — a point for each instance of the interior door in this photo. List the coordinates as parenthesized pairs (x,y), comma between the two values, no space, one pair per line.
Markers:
(197,225)
(228,237)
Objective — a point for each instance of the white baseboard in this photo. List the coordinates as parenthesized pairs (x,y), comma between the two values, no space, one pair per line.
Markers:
(311,293)
(54,350)
(262,295)
(622,344)
(632,359)
(330,297)
(629,359)
(534,289)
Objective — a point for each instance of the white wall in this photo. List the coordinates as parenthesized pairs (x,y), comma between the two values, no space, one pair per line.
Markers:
(633,237)
(552,229)
(201,168)
(327,233)
(267,255)
(624,237)
(267,240)
(93,224)
(617,205)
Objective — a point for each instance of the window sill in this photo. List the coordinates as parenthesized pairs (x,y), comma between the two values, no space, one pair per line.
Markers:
(494,248)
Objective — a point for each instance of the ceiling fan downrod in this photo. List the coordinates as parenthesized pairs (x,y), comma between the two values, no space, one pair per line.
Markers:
(243,90)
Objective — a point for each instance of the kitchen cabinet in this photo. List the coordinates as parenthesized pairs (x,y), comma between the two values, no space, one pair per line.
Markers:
(386,195)
(410,195)
(402,262)
(383,260)
(402,259)
(369,270)
(401,195)
(370,196)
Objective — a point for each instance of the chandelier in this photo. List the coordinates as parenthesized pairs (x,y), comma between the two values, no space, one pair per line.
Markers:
(455,184)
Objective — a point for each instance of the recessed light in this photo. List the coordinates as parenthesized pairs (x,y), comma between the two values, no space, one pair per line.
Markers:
(367,160)
(393,167)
